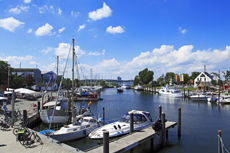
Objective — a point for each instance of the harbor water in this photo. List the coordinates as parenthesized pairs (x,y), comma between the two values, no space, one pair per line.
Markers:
(200,120)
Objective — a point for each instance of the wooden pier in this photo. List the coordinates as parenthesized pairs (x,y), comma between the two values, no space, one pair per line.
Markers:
(132,140)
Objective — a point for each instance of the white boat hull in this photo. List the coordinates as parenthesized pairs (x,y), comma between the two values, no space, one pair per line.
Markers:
(73,135)
(59,116)
(199,98)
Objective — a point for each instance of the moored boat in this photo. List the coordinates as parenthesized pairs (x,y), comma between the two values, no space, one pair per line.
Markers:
(142,119)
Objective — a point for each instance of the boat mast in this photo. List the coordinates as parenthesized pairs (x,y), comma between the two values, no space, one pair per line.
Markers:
(73,82)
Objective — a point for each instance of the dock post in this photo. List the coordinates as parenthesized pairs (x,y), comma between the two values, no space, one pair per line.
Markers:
(163,129)
(38,107)
(219,141)
(179,122)
(24,118)
(152,143)
(103,116)
(12,105)
(160,111)
(131,122)
(105,141)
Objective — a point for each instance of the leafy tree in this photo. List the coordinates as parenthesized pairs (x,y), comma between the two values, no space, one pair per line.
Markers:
(102,83)
(146,76)
(160,80)
(194,75)
(3,73)
(16,81)
(186,78)
(136,80)
(226,74)
(29,80)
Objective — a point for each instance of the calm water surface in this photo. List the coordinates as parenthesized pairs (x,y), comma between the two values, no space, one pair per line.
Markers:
(200,120)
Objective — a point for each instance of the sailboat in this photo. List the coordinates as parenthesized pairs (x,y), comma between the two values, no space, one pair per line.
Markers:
(57,111)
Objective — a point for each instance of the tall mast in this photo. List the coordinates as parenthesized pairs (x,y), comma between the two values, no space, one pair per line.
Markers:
(73,81)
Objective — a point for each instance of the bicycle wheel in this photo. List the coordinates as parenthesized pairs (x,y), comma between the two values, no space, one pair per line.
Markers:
(27,143)
(38,139)
(32,136)
(15,131)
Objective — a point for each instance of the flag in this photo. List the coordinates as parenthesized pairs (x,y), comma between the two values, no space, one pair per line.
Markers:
(182,77)
(89,103)
(176,78)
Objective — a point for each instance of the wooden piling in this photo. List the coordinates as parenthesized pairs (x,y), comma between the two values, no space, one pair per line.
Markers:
(152,143)
(131,122)
(25,119)
(160,111)
(12,113)
(103,116)
(163,129)
(38,107)
(219,142)
(179,122)
(105,141)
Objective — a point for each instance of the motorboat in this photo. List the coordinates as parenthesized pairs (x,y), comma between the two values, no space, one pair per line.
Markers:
(120,89)
(61,114)
(213,97)
(138,87)
(125,86)
(141,119)
(172,92)
(200,97)
(224,100)
(79,129)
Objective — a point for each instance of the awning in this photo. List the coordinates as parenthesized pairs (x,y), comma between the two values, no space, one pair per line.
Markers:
(3,98)
(25,91)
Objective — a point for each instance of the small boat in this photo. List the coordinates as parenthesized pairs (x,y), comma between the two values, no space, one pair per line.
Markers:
(172,92)
(125,86)
(79,129)
(141,119)
(61,114)
(120,89)
(224,100)
(200,97)
(138,87)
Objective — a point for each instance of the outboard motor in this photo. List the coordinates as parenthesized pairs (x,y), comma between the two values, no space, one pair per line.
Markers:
(157,126)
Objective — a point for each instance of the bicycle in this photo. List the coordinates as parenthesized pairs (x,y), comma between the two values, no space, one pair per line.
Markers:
(4,125)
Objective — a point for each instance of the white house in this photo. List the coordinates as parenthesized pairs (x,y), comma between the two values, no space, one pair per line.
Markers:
(203,78)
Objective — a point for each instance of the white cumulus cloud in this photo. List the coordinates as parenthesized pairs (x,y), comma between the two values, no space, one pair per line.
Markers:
(59,11)
(48,49)
(10,23)
(29,30)
(27,1)
(103,12)
(81,27)
(114,30)
(61,30)
(44,30)
(75,14)
(18,9)
(183,31)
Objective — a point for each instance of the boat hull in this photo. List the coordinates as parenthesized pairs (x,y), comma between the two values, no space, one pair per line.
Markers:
(59,116)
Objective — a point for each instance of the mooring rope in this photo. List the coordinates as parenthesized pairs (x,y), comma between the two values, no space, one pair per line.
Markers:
(222,145)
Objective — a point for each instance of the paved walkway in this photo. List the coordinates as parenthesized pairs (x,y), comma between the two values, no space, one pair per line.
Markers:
(8,144)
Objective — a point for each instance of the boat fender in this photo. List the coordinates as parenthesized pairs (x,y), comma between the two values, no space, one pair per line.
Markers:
(119,126)
(84,132)
(115,127)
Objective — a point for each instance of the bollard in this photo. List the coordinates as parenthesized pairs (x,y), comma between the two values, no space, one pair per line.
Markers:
(103,116)
(152,143)
(219,142)
(160,111)
(163,129)
(131,122)
(38,108)
(105,141)
(24,117)
(12,105)
(179,122)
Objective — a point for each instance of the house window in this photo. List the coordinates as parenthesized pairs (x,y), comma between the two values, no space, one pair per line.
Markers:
(202,75)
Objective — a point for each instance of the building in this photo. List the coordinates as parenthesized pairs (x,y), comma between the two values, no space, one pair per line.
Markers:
(118,78)
(23,72)
(42,86)
(203,81)
(47,76)
(226,84)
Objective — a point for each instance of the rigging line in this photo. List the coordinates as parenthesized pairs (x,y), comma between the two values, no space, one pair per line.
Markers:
(60,87)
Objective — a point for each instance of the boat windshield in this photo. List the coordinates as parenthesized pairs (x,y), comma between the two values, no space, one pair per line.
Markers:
(137,118)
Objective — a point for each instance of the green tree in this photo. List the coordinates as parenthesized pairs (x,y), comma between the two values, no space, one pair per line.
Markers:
(3,73)
(194,75)
(160,81)
(136,80)
(186,78)
(102,83)
(16,81)
(29,80)
(146,76)
(226,74)
(169,76)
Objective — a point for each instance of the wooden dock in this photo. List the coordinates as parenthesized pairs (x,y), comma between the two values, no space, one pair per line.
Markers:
(132,140)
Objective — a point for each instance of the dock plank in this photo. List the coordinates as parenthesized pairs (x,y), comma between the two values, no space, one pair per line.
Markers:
(132,140)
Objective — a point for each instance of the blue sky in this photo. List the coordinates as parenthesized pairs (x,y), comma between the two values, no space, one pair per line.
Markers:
(116,37)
